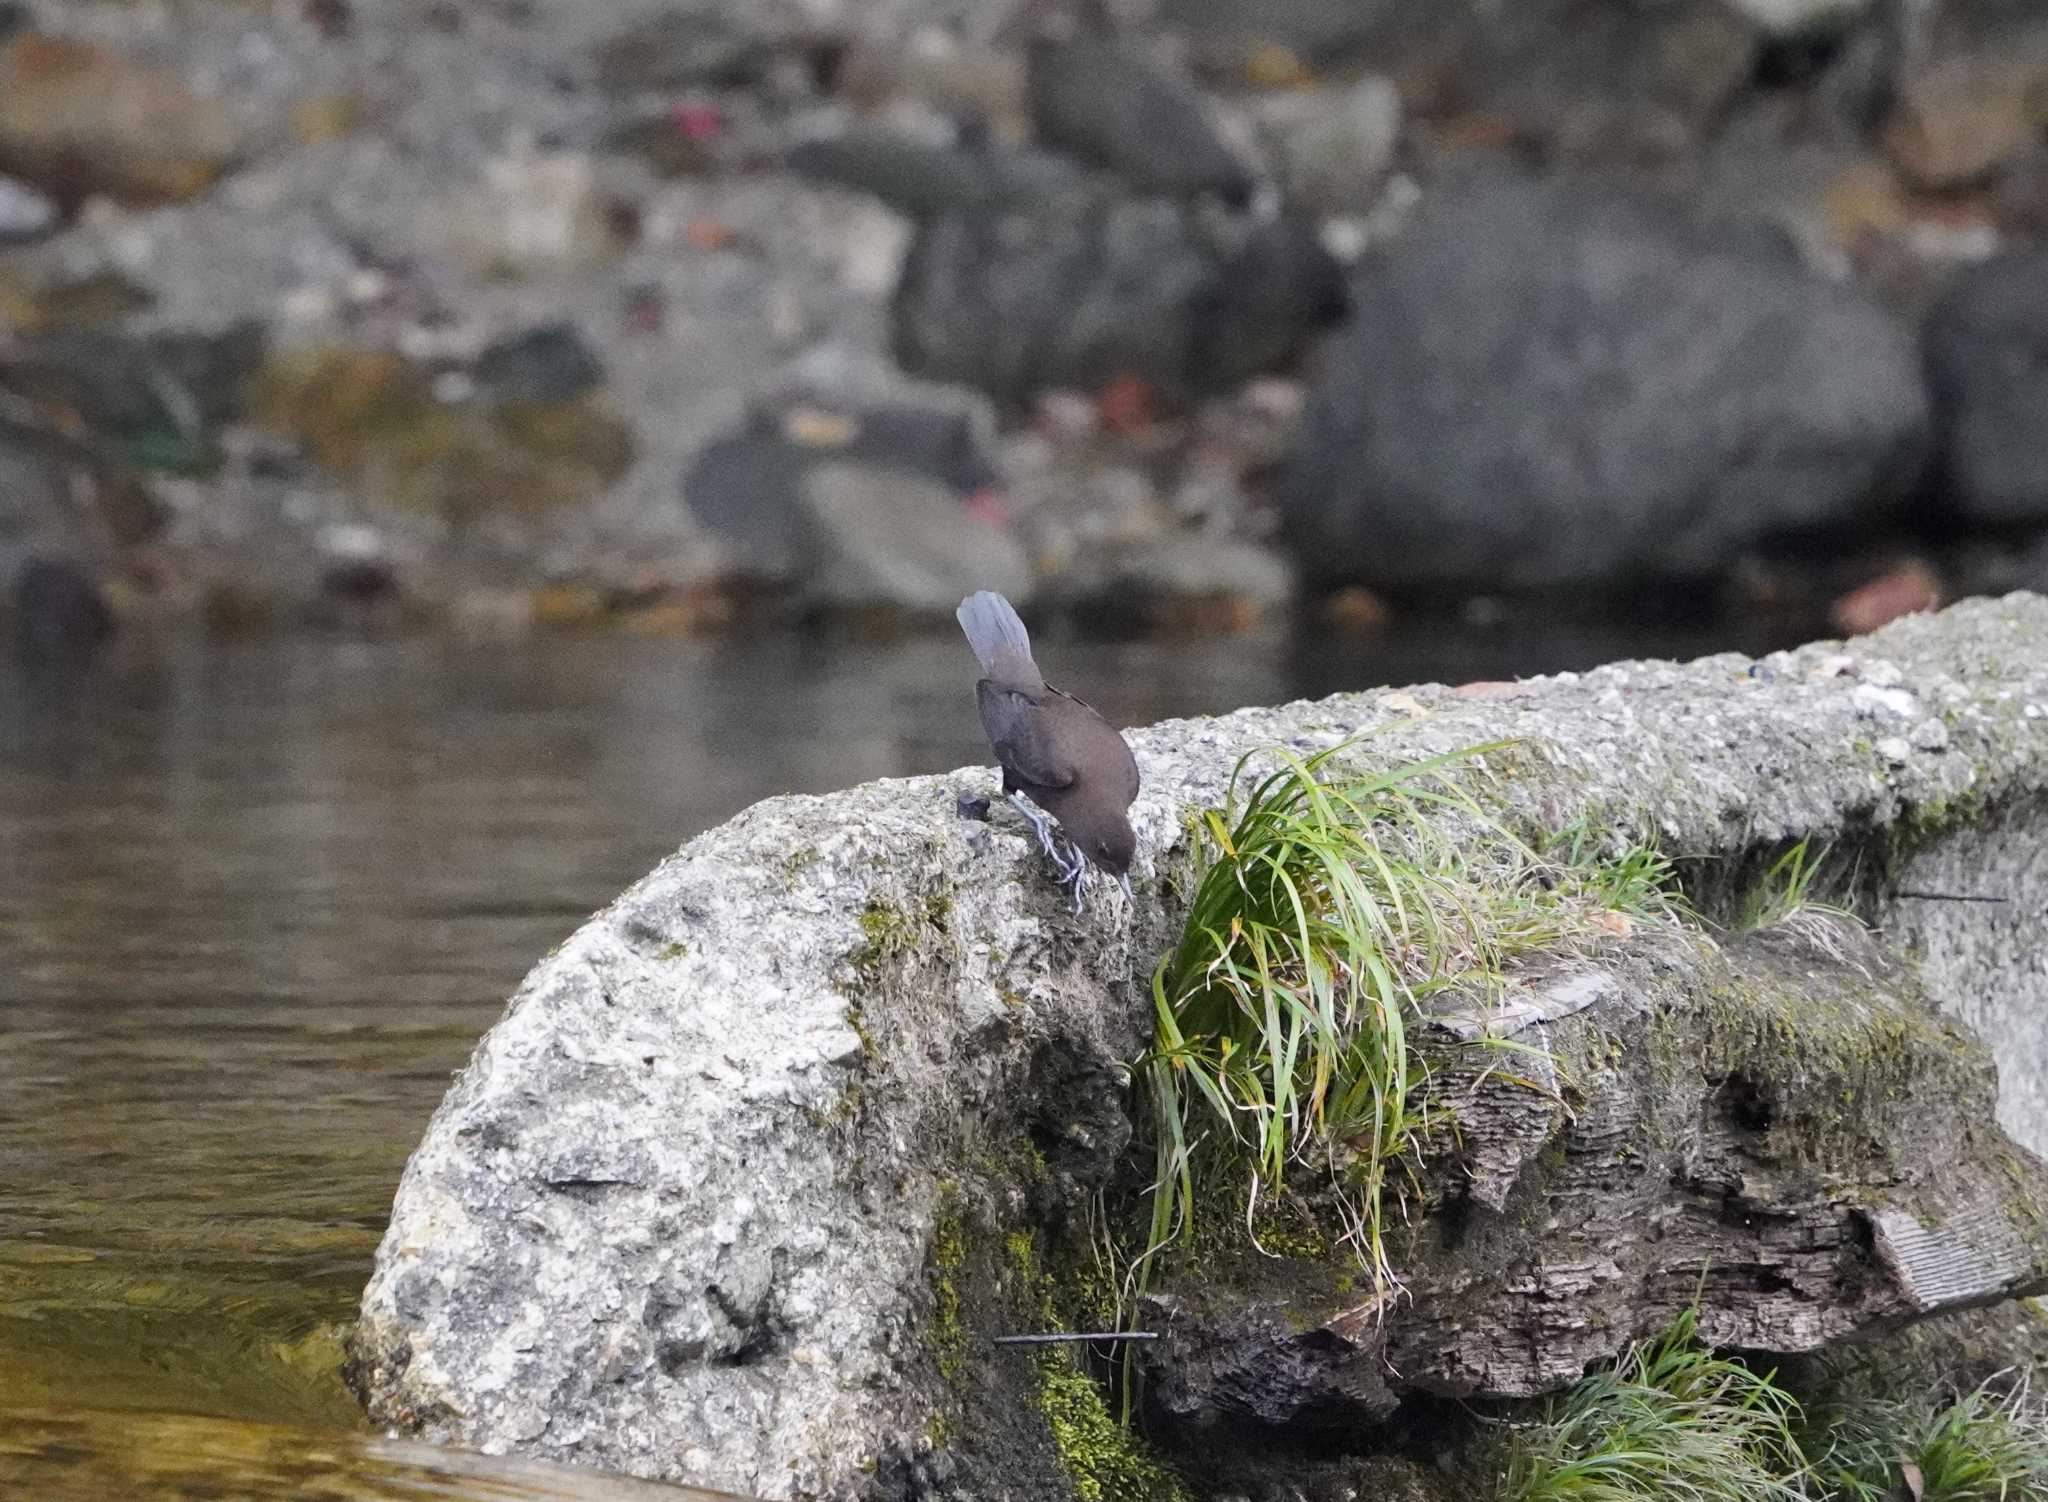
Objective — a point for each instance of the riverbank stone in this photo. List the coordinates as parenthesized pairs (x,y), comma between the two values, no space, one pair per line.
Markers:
(1987,360)
(1566,383)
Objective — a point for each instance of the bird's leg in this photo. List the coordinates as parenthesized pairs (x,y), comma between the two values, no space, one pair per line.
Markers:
(1075,876)
(1124,881)
(1041,823)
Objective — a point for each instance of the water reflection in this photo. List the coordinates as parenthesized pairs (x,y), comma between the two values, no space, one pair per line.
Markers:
(258,899)
(103,1455)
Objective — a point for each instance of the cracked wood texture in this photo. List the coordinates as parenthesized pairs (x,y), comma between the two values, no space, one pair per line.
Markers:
(1777,1123)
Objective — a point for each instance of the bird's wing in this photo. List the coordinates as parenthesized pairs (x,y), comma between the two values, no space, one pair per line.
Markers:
(1024,739)
(1127,764)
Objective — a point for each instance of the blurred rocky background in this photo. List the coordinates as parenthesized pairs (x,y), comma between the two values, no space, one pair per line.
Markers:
(498,315)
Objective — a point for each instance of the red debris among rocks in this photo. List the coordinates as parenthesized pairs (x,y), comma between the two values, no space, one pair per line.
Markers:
(1908,589)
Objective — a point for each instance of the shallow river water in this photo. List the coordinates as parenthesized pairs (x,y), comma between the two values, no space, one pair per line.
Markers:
(257,901)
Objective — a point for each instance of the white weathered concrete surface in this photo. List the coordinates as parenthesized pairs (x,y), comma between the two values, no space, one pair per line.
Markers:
(1986,958)
(677,1215)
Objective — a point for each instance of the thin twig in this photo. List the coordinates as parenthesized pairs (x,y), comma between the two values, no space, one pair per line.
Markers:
(1952,897)
(1053,1340)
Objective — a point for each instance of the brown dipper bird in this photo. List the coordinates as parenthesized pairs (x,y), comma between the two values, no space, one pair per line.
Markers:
(1055,751)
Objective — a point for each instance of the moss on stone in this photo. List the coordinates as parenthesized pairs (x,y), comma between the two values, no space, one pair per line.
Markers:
(1103,1460)
(890,933)
(373,416)
(1283,1229)
(884,928)
(949,1258)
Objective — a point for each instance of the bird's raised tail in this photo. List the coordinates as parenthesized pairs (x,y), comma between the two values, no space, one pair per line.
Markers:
(999,640)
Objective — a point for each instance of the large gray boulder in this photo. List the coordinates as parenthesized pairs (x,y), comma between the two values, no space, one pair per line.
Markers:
(893,537)
(756,1162)
(857,506)
(1083,290)
(1562,384)
(1987,359)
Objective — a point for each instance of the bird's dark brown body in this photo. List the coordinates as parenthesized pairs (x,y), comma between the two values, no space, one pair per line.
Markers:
(1053,749)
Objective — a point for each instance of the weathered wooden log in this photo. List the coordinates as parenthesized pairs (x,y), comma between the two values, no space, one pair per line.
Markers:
(1779,1125)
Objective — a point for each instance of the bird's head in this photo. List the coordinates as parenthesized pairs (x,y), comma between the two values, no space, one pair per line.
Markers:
(1112,848)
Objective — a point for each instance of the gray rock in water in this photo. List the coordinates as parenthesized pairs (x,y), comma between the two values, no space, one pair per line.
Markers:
(1110,104)
(1175,578)
(890,537)
(743,489)
(758,493)
(1987,359)
(1562,384)
(1082,292)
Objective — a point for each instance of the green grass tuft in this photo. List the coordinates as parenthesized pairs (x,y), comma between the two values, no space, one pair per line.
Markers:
(1636,880)
(1786,890)
(1672,1422)
(1329,905)
(1981,1446)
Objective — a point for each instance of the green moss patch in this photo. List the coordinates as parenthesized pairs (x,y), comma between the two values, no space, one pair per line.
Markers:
(372,416)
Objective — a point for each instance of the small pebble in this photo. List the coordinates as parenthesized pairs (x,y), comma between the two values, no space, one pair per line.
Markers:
(351,541)
(1275,398)
(25,214)
(308,304)
(1346,237)
(1872,701)
(1882,673)
(1930,735)
(368,285)
(1894,749)
(1836,665)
